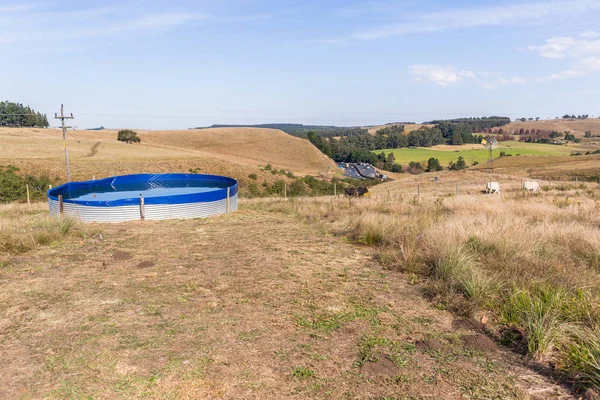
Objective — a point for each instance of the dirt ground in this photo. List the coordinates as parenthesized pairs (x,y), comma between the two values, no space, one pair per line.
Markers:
(252,305)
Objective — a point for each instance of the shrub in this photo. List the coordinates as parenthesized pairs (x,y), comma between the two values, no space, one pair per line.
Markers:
(415,165)
(433,164)
(253,177)
(459,164)
(128,136)
(396,168)
(298,188)
(12,186)
(278,187)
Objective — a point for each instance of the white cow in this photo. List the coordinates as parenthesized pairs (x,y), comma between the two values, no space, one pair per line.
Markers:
(492,187)
(531,186)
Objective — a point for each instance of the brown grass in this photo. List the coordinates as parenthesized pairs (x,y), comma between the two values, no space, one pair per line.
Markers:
(577,127)
(256,304)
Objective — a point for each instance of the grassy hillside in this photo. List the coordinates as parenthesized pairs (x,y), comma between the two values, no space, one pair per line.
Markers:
(576,126)
(237,152)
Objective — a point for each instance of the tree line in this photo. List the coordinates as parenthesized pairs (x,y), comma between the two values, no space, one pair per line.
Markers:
(359,147)
(18,115)
(477,124)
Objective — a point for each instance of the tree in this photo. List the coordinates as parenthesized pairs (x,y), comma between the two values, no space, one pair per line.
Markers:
(588,134)
(433,164)
(129,136)
(459,164)
(569,136)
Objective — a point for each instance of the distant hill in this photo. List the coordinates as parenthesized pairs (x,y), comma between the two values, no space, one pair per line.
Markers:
(299,130)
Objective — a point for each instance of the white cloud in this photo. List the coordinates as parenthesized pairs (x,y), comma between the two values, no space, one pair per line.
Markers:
(590,35)
(563,47)
(513,80)
(442,75)
(561,76)
(591,64)
(521,13)
(445,75)
(584,51)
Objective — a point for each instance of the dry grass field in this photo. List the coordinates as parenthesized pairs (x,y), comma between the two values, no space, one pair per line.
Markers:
(578,127)
(270,302)
(548,167)
(236,152)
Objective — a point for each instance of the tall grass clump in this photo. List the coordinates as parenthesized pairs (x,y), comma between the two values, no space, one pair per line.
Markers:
(541,313)
(581,355)
(23,229)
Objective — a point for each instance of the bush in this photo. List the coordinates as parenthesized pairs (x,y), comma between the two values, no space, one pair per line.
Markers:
(253,177)
(12,186)
(433,164)
(127,135)
(253,190)
(278,187)
(459,164)
(298,188)
(397,168)
(415,165)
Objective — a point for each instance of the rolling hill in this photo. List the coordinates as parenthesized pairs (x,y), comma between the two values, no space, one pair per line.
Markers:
(236,152)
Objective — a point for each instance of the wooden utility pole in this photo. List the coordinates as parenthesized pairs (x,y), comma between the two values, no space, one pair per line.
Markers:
(64,132)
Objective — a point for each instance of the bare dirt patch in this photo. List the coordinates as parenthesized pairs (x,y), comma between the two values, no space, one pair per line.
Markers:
(479,342)
(122,255)
(146,264)
(384,366)
(431,345)
(469,324)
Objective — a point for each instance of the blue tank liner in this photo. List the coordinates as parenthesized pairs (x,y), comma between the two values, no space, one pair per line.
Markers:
(166,196)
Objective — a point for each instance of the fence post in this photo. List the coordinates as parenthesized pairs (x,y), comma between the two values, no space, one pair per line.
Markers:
(335,189)
(142,208)
(457,188)
(418,190)
(285,190)
(228,201)
(28,200)
(61,205)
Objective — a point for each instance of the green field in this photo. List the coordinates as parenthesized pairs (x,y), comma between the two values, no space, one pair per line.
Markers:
(451,153)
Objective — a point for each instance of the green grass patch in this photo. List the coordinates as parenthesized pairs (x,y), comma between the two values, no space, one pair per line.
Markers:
(303,373)
(512,148)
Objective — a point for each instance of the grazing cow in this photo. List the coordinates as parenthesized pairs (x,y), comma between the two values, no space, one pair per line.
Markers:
(356,192)
(531,186)
(492,187)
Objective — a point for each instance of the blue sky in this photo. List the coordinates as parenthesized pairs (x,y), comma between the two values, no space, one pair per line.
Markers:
(149,64)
